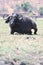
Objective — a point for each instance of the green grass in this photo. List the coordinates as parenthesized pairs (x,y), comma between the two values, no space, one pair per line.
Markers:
(18,46)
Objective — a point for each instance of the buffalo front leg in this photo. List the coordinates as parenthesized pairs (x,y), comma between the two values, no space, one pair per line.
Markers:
(12,31)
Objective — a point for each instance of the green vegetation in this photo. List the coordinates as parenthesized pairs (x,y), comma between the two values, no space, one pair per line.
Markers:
(41,10)
(26,6)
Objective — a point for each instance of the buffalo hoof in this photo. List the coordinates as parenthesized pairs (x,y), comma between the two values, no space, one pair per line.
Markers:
(30,32)
(12,32)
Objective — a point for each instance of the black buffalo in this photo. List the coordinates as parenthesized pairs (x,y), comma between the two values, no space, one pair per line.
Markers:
(21,24)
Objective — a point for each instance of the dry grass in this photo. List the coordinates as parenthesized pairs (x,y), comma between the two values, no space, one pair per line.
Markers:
(26,48)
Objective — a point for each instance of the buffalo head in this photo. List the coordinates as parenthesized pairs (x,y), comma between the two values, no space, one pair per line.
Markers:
(8,19)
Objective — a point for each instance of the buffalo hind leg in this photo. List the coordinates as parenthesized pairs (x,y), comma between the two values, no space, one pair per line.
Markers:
(30,32)
(35,32)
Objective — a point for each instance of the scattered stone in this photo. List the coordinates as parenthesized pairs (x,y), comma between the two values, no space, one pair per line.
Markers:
(30,38)
(14,60)
(22,63)
(11,63)
(41,63)
(7,62)
(27,37)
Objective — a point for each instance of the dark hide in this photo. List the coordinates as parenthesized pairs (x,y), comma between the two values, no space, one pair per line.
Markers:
(21,24)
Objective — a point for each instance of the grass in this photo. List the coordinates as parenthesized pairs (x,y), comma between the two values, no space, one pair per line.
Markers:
(19,47)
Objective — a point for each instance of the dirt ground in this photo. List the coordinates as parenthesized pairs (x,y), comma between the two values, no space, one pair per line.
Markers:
(21,49)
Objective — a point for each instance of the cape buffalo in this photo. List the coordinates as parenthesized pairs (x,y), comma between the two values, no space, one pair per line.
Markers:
(21,24)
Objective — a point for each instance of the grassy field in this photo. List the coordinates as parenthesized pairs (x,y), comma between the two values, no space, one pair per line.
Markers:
(22,48)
